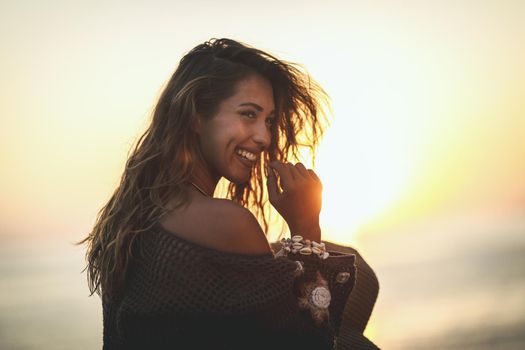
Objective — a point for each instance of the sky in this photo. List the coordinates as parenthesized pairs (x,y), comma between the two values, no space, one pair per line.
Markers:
(423,167)
(428,100)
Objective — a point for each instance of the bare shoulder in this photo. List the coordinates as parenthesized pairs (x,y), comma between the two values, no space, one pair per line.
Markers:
(220,224)
(235,229)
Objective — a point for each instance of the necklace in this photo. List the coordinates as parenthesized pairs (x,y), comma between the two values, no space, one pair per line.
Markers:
(200,190)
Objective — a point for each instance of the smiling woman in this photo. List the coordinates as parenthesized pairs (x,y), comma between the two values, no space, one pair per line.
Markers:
(173,263)
(233,140)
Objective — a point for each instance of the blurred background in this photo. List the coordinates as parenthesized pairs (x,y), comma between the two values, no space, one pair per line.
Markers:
(423,166)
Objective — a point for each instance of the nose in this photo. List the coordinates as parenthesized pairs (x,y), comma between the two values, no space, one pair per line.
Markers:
(262,135)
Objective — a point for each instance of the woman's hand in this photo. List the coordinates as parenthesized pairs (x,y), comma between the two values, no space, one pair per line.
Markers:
(299,199)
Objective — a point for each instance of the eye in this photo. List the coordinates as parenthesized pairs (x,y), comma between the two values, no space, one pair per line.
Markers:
(270,121)
(249,114)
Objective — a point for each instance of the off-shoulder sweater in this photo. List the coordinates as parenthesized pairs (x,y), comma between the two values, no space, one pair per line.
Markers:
(182,295)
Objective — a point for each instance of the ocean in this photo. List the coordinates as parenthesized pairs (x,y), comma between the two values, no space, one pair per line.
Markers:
(458,284)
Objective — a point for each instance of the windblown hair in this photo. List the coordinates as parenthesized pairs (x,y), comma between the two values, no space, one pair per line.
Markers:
(160,165)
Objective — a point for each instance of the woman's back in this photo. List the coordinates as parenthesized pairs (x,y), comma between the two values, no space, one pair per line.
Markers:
(219,224)
(179,293)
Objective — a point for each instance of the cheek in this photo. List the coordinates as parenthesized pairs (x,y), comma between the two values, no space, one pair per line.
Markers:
(222,137)
(217,146)
(234,134)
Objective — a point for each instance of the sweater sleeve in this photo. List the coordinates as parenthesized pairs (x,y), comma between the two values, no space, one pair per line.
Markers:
(298,297)
(334,276)
(359,305)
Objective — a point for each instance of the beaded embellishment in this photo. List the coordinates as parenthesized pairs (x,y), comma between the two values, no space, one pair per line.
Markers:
(315,297)
(297,244)
(342,277)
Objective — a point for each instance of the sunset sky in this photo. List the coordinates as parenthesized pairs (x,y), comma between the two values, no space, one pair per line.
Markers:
(428,100)
(423,166)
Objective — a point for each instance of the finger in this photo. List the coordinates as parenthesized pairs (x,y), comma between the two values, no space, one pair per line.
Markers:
(284,173)
(293,171)
(314,175)
(271,183)
(301,169)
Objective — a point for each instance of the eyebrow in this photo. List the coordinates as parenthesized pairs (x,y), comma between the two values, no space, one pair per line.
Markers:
(254,105)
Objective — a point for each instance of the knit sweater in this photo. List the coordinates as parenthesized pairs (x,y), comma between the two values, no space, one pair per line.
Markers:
(181,295)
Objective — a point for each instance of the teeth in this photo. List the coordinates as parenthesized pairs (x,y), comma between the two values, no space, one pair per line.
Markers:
(246,154)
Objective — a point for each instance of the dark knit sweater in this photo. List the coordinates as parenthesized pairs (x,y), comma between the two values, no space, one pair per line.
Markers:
(181,295)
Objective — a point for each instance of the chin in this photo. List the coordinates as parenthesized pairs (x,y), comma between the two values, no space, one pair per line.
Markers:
(239,179)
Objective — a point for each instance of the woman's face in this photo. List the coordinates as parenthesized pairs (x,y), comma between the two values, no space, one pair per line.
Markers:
(232,140)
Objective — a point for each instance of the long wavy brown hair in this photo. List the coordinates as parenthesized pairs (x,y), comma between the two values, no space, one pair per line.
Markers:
(161,163)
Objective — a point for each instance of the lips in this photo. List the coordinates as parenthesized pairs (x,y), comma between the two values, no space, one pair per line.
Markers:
(246,162)
(246,156)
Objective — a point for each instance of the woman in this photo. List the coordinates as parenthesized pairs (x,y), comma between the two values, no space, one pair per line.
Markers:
(177,268)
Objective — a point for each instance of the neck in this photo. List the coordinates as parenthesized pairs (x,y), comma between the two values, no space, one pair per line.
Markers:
(203,180)
(201,190)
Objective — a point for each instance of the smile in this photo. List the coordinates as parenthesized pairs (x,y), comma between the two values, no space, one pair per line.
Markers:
(246,155)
